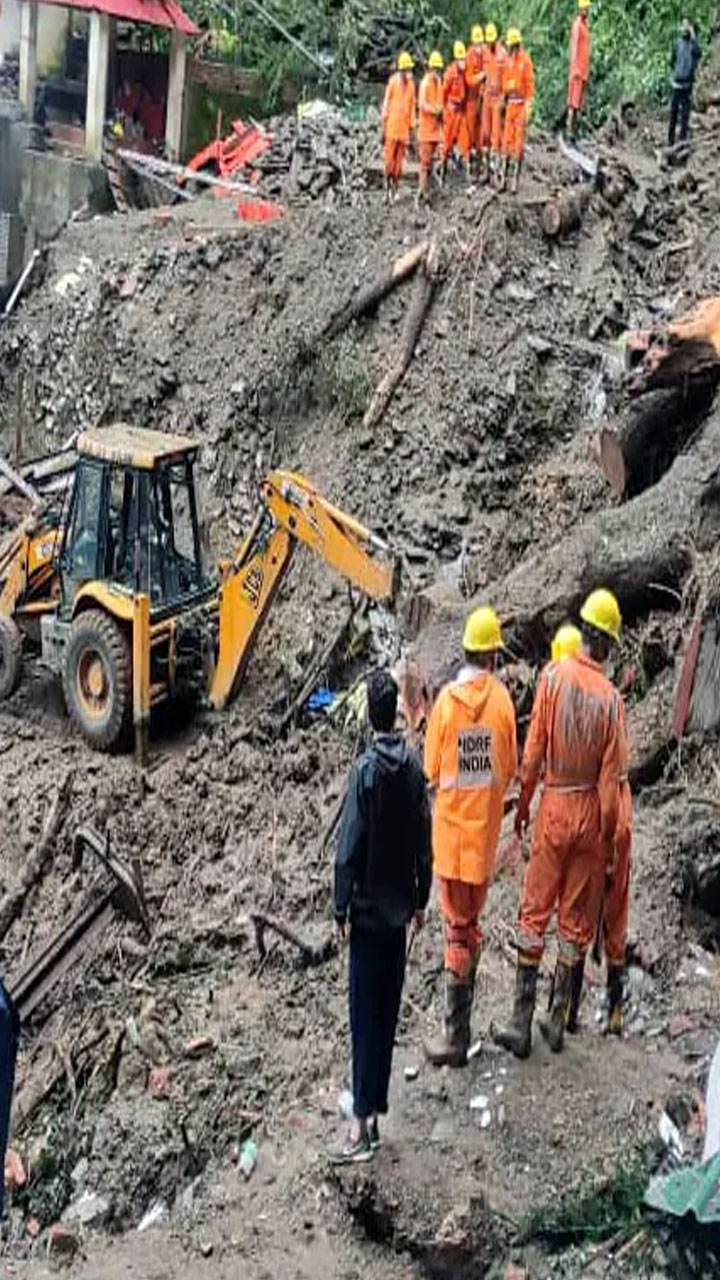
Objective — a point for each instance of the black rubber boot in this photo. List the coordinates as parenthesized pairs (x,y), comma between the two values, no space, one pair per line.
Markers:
(576,990)
(615,976)
(553,1026)
(517,1035)
(449,1049)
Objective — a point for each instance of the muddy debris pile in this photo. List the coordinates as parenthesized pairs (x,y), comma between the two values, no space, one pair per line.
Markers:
(317,153)
(152,1059)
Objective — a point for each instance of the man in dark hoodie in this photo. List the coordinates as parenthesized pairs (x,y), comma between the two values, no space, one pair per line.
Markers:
(684,60)
(9,1036)
(382,883)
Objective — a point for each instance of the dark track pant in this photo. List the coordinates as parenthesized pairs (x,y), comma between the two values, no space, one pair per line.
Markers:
(9,1035)
(680,104)
(377,972)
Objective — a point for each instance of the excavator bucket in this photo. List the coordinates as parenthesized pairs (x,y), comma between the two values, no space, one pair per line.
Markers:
(291,511)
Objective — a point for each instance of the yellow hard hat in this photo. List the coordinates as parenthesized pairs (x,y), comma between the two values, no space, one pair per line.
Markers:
(602,611)
(513,37)
(566,642)
(491,33)
(477,35)
(405,62)
(482,632)
(436,60)
(459,50)
(583,5)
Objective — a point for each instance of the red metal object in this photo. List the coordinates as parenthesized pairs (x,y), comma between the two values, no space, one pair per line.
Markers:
(227,156)
(259,210)
(681,710)
(157,13)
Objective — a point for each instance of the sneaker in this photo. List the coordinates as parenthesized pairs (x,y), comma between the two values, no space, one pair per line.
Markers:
(353,1152)
(374,1135)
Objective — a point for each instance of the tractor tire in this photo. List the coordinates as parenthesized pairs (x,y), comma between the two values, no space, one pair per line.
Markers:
(10,656)
(97,679)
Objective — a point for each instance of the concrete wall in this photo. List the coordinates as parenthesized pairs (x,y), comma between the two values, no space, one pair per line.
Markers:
(52,28)
(54,187)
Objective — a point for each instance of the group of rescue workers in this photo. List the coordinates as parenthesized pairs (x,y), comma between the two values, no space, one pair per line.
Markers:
(479,106)
(390,846)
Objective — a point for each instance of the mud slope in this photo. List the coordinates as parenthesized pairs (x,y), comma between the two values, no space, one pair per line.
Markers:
(165,1055)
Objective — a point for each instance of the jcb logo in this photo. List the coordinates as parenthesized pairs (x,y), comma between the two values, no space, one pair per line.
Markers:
(252,586)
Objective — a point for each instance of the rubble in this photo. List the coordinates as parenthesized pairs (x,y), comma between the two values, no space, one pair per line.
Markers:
(172,1053)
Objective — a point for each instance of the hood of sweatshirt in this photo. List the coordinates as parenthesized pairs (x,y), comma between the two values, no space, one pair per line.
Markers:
(473,689)
(390,751)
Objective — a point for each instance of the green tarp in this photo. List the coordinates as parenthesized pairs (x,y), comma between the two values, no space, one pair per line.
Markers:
(695,1190)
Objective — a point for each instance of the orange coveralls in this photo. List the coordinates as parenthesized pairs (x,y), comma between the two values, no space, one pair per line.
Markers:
(491,124)
(454,100)
(518,90)
(470,761)
(474,77)
(579,63)
(617,892)
(430,125)
(398,120)
(576,735)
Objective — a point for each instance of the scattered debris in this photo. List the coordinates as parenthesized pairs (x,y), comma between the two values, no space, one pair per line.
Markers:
(248,1158)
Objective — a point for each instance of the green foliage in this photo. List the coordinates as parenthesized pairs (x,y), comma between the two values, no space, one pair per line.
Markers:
(632,41)
(598,1212)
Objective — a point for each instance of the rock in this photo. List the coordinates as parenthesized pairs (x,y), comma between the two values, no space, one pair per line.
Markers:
(207,1248)
(62,1243)
(90,1208)
(78,1177)
(199,1046)
(411,1073)
(443,1132)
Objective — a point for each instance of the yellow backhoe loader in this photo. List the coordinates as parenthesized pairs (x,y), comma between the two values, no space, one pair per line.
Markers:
(109,583)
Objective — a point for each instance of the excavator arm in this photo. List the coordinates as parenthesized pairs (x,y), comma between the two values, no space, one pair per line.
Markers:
(291,511)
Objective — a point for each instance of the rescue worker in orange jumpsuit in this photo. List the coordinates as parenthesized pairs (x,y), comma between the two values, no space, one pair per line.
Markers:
(576,736)
(474,77)
(430,120)
(518,92)
(616,906)
(492,119)
(454,100)
(579,65)
(398,122)
(470,761)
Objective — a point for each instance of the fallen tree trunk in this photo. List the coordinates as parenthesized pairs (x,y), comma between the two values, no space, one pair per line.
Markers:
(37,862)
(369,298)
(422,297)
(642,550)
(564,213)
(654,430)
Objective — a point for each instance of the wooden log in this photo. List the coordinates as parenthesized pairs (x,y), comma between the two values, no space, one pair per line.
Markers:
(312,953)
(420,304)
(643,550)
(37,862)
(368,299)
(655,428)
(564,213)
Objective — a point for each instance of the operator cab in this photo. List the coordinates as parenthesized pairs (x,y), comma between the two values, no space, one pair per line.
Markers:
(133,521)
